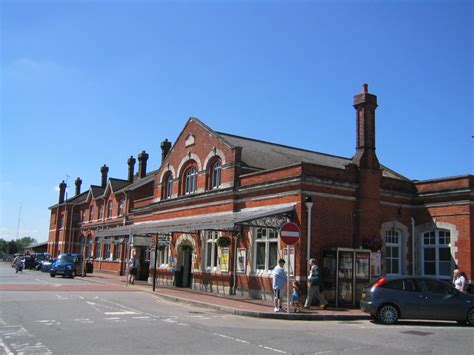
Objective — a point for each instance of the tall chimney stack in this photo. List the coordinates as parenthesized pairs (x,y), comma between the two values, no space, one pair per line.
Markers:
(165,149)
(142,159)
(131,167)
(62,191)
(365,105)
(104,171)
(78,183)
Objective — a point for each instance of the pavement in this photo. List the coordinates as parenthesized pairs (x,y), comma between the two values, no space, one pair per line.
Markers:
(233,304)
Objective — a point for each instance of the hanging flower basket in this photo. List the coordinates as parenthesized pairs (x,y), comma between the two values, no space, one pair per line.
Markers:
(374,243)
(223,242)
(185,246)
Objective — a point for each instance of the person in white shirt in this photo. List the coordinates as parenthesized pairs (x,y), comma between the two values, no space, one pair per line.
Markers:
(460,280)
(279,280)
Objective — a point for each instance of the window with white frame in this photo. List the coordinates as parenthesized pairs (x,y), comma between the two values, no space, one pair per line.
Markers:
(109,209)
(392,252)
(107,242)
(98,248)
(168,187)
(163,256)
(436,253)
(190,181)
(216,175)
(211,250)
(266,249)
(120,208)
(116,249)
(91,213)
(101,211)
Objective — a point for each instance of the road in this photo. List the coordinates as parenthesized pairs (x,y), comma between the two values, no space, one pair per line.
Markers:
(44,315)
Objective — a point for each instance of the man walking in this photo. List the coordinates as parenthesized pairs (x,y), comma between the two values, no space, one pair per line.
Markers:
(279,280)
(313,286)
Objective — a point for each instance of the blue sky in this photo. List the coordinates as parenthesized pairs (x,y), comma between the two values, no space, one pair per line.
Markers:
(85,83)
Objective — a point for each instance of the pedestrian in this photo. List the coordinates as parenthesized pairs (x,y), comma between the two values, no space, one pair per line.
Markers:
(132,268)
(460,280)
(313,286)
(296,299)
(19,264)
(279,280)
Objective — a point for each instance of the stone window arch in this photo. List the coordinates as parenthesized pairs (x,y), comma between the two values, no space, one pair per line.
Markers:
(214,172)
(167,186)
(189,178)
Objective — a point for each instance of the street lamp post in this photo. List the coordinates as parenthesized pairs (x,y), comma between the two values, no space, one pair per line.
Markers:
(309,206)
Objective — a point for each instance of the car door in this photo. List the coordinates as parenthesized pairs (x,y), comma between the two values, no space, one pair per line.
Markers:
(439,300)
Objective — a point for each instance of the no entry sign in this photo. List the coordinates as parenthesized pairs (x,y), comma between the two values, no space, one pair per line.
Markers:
(290,233)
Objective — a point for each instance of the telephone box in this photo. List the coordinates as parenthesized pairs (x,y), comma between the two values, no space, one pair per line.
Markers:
(345,273)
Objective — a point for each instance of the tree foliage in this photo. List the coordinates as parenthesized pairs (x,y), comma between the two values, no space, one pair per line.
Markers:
(15,246)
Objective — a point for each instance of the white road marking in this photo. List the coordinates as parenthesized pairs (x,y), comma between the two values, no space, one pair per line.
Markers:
(246,342)
(84,320)
(120,313)
(184,324)
(144,317)
(167,320)
(5,348)
(113,318)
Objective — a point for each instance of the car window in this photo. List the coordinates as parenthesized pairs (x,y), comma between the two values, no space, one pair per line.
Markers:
(409,285)
(433,286)
(394,285)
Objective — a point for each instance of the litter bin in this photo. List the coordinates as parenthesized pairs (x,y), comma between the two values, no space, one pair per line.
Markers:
(90,266)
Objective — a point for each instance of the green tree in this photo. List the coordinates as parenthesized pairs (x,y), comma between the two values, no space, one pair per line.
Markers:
(12,247)
(24,242)
(3,245)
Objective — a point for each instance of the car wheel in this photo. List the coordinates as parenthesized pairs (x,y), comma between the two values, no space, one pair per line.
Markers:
(388,314)
(52,275)
(470,317)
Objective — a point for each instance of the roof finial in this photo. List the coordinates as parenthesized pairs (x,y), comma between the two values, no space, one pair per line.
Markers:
(365,88)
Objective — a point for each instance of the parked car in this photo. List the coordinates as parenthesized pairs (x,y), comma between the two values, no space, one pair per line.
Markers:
(40,257)
(45,265)
(67,265)
(389,299)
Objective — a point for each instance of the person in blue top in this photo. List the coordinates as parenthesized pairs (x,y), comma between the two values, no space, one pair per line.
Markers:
(279,280)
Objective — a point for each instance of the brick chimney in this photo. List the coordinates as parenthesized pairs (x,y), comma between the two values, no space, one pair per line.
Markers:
(78,183)
(165,149)
(62,191)
(365,105)
(131,167)
(142,159)
(104,170)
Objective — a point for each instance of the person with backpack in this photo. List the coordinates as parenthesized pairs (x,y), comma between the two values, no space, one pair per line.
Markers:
(313,286)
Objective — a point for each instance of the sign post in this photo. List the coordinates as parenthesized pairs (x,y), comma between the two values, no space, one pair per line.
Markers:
(290,234)
(155,242)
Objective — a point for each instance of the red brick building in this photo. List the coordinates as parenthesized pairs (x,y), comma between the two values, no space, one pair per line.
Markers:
(220,199)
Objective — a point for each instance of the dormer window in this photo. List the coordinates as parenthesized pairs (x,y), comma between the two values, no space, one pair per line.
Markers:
(190,181)
(109,209)
(120,208)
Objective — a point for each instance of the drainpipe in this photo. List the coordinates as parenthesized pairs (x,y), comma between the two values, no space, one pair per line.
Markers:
(309,206)
(70,228)
(412,246)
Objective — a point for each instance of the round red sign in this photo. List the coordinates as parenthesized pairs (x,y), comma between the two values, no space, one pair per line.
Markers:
(290,233)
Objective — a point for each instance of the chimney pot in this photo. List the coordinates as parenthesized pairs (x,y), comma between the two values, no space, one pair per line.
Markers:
(131,167)
(165,149)
(78,183)
(104,171)
(142,159)
(62,191)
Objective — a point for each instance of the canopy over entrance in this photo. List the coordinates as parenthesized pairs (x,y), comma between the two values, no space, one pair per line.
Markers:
(265,216)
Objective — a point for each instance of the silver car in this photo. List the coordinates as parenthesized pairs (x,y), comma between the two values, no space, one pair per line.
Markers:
(391,298)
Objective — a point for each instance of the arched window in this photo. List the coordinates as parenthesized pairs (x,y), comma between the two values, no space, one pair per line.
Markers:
(436,253)
(91,213)
(216,174)
(190,181)
(168,186)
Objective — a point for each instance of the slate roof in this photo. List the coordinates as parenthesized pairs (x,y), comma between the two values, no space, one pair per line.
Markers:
(139,182)
(118,184)
(263,155)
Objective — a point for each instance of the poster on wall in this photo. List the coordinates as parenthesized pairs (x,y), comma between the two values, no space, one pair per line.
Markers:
(375,264)
(224,262)
(241,261)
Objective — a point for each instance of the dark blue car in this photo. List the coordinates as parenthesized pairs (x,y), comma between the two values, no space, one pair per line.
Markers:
(67,265)
(389,299)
